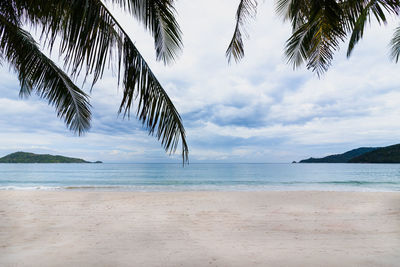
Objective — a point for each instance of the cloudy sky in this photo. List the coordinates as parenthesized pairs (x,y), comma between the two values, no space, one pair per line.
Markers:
(260,110)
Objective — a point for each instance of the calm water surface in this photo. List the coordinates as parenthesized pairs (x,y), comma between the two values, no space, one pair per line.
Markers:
(220,177)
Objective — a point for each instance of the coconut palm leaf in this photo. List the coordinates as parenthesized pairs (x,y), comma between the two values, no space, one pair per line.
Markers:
(155,109)
(320,26)
(316,36)
(395,45)
(38,73)
(295,11)
(359,14)
(358,29)
(158,16)
(92,40)
(246,9)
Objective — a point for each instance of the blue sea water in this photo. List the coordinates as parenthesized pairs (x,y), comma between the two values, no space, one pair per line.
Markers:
(218,177)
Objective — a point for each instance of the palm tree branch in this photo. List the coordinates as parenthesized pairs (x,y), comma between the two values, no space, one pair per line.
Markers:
(155,108)
(158,16)
(92,37)
(318,38)
(246,9)
(295,11)
(395,45)
(331,21)
(38,73)
(361,14)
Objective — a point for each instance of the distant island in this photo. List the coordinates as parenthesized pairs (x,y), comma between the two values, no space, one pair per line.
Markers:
(25,157)
(389,154)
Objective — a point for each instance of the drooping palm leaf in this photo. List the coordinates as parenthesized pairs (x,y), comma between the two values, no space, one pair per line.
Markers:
(295,11)
(92,39)
(318,27)
(318,37)
(395,45)
(38,73)
(246,9)
(358,29)
(158,16)
(155,109)
(358,14)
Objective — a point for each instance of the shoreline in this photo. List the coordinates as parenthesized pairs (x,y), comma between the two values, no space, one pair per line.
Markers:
(263,228)
(178,189)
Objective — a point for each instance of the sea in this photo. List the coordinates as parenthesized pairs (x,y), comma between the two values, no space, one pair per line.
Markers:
(200,177)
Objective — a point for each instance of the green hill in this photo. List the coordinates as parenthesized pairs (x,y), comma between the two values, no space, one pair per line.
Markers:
(389,154)
(25,157)
(340,158)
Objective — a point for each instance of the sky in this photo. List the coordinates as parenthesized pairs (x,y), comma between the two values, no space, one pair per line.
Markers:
(260,110)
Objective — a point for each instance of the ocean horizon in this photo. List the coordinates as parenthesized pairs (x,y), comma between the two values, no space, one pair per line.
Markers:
(149,177)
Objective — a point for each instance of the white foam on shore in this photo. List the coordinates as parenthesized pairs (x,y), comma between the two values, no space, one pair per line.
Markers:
(31,188)
(181,188)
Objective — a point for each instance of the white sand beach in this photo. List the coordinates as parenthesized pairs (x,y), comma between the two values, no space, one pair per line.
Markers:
(42,228)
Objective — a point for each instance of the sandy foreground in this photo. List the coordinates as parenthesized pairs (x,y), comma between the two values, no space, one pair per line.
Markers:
(39,228)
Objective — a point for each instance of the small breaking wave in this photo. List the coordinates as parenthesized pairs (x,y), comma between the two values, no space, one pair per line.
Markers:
(30,188)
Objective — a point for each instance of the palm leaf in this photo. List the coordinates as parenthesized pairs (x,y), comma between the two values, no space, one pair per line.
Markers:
(296,11)
(158,16)
(246,9)
(316,36)
(92,38)
(320,26)
(155,109)
(359,13)
(38,73)
(358,29)
(395,45)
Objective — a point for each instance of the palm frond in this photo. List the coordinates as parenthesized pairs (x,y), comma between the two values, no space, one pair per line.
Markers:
(297,46)
(158,16)
(318,27)
(358,30)
(296,11)
(91,37)
(246,9)
(316,40)
(38,73)
(395,45)
(358,13)
(155,109)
